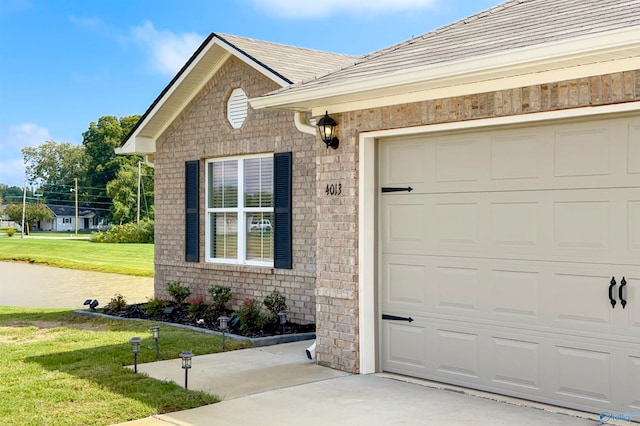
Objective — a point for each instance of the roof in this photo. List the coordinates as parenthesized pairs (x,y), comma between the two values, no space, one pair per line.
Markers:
(281,63)
(513,27)
(60,211)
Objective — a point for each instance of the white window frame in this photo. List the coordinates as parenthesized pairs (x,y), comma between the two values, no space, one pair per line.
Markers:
(241,212)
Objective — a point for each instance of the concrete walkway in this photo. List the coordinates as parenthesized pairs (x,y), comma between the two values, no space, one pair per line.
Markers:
(277,385)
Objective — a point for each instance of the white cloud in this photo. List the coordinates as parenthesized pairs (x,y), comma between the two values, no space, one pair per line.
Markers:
(297,9)
(167,51)
(12,140)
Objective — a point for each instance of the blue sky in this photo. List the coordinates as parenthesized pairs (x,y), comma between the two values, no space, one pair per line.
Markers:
(66,63)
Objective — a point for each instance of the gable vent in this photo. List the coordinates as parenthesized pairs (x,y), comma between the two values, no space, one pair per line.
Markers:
(237,108)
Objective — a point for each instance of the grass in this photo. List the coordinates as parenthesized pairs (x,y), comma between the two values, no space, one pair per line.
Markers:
(59,368)
(130,259)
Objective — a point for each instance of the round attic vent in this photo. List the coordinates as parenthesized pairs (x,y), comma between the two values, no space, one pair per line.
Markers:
(237,108)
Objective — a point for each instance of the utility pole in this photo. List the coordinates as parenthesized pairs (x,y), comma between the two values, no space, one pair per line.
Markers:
(139,178)
(76,191)
(24,205)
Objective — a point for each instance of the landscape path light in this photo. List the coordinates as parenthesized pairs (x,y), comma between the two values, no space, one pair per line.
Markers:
(135,348)
(186,365)
(283,319)
(224,324)
(155,331)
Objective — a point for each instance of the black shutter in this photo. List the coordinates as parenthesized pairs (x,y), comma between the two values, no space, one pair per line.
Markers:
(282,210)
(191,207)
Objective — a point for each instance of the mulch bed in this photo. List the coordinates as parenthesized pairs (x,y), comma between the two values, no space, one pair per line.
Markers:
(179,314)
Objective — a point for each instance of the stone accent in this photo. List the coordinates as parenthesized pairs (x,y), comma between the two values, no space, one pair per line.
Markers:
(337,257)
(202,131)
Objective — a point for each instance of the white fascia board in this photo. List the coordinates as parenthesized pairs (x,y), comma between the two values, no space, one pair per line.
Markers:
(554,55)
(138,145)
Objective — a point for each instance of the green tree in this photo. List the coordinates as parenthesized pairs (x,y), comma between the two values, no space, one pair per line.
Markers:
(54,166)
(33,212)
(11,194)
(123,191)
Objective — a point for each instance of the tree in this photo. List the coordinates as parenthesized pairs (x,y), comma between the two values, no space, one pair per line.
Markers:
(33,212)
(11,194)
(54,166)
(123,191)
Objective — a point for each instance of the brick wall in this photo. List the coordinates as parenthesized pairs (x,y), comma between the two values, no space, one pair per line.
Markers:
(201,132)
(337,260)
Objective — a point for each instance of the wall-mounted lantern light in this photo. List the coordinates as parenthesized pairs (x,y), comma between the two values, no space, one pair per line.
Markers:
(186,365)
(135,348)
(327,127)
(155,331)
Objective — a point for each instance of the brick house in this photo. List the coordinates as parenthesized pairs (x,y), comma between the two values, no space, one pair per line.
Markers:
(479,223)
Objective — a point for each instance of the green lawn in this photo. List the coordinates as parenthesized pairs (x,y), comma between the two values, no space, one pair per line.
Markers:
(77,253)
(59,368)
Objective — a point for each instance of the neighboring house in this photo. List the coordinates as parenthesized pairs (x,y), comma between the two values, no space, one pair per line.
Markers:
(65,219)
(512,263)
(4,219)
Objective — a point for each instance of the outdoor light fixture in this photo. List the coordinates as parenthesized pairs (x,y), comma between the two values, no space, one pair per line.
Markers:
(94,304)
(186,365)
(327,126)
(135,348)
(283,319)
(87,302)
(155,331)
(224,324)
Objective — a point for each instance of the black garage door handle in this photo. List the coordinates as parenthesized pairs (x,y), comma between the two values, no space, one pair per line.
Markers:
(611,299)
(623,283)
(395,318)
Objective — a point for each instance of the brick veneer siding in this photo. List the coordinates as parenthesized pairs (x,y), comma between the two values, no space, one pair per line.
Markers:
(202,131)
(337,292)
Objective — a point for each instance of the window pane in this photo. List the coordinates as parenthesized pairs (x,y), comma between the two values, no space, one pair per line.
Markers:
(223,184)
(224,235)
(260,237)
(258,182)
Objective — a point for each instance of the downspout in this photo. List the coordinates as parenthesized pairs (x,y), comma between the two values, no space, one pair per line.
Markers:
(300,119)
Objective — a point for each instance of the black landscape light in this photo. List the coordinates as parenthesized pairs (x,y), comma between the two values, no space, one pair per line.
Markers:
(186,365)
(87,302)
(283,319)
(135,348)
(93,305)
(224,324)
(155,331)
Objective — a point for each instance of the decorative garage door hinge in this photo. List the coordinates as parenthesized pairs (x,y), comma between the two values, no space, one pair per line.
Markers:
(395,318)
(388,189)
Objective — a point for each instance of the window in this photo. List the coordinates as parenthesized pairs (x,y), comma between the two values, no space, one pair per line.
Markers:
(239,210)
(66,220)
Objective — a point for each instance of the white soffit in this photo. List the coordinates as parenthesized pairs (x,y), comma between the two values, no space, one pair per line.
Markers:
(574,58)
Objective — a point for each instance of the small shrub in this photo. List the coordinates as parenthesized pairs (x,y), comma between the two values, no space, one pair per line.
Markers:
(198,308)
(117,303)
(10,232)
(275,302)
(126,233)
(155,306)
(250,315)
(178,292)
(221,296)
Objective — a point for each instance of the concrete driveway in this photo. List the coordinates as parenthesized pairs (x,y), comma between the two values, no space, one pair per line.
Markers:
(278,385)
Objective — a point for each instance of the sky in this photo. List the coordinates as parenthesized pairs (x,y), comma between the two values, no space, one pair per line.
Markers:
(66,63)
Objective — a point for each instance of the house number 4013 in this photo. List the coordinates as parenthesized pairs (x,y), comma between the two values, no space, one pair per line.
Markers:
(333,189)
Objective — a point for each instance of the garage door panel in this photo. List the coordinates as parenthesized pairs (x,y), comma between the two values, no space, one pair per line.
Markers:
(517,156)
(457,287)
(515,293)
(593,143)
(583,374)
(456,353)
(633,147)
(582,300)
(460,160)
(516,363)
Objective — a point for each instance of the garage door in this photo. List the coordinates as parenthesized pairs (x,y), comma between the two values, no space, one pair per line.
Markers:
(509,261)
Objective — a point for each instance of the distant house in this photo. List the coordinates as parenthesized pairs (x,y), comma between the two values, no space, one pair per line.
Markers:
(4,219)
(65,219)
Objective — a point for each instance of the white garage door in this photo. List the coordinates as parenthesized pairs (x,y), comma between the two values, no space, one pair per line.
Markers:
(499,268)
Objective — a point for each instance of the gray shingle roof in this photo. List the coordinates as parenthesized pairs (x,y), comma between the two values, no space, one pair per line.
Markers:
(295,64)
(512,25)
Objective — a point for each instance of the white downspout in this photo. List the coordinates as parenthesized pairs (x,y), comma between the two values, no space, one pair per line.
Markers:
(300,119)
